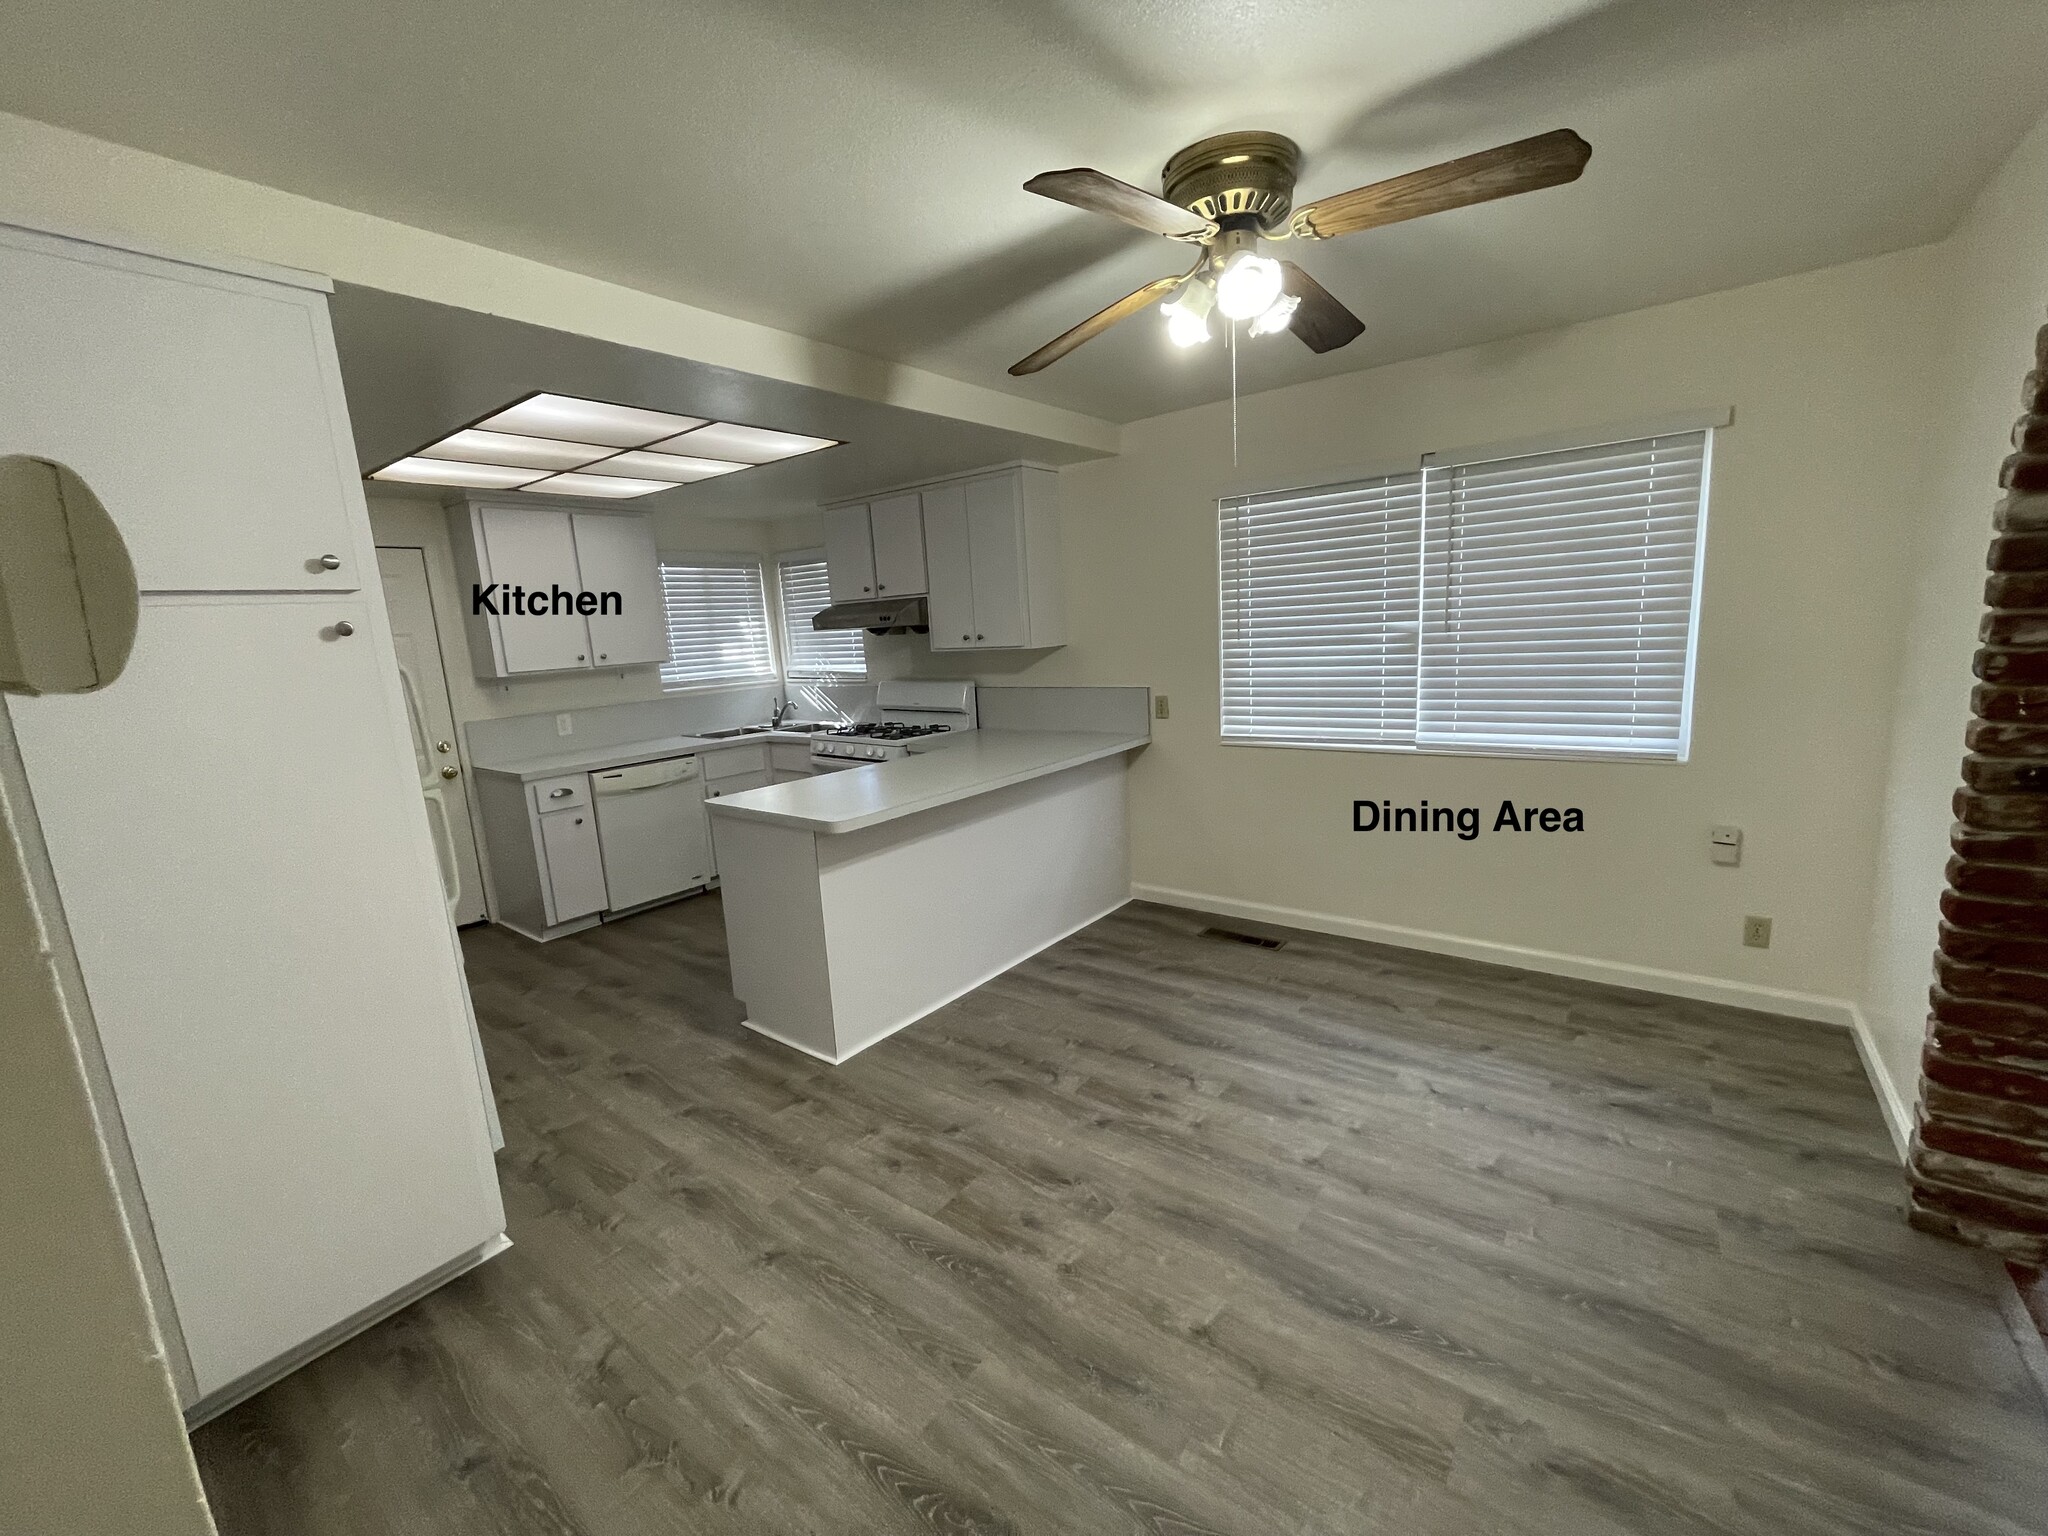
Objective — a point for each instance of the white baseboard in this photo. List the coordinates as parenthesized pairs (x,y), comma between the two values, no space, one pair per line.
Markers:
(1837,1011)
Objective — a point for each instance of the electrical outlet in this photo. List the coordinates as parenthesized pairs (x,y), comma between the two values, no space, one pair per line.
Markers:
(1756,932)
(565,725)
(1158,706)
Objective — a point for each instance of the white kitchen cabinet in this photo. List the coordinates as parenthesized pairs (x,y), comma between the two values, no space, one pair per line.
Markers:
(199,405)
(575,864)
(544,548)
(270,967)
(788,760)
(897,525)
(232,829)
(992,550)
(875,549)
(850,553)
(615,553)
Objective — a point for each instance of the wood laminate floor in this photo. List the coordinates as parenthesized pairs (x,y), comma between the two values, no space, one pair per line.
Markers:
(1163,1234)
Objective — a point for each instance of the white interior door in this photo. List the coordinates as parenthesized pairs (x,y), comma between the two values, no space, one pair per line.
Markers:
(535,548)
(195,403)
(951,568)
(995,534)
(897,524)
(616,553)
(416,636)
(243,858)
(849,554)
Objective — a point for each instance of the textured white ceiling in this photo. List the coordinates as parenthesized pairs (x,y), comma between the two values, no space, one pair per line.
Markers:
(851,171)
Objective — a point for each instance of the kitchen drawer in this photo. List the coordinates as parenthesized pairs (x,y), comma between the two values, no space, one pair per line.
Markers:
(570,792)
(758,779)
(790,756)
(727,762)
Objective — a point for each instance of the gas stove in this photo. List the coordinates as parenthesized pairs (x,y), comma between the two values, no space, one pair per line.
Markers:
(908,712)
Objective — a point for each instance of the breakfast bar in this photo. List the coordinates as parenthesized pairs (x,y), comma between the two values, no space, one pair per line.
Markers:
(858,902)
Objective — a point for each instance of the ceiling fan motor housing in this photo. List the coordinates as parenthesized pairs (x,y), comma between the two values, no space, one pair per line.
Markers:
(1235,176)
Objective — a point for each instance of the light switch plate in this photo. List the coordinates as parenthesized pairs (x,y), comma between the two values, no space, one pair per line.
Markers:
(1158,706)
(1725,845)
(1756,932)
(565,725)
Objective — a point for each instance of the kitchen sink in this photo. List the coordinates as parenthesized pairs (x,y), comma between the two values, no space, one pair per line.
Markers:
(799,728)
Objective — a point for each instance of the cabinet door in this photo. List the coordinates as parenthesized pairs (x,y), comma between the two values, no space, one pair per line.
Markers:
(568,841)
(951,603)
(898,526)
(995,538)
(243,857)
(203,408)
(849,555)
(535,548)
(615,553)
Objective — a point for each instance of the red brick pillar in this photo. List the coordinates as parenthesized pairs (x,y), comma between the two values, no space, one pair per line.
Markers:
(1980,1152)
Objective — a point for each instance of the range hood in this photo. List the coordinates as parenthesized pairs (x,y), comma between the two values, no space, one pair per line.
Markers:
(884,616)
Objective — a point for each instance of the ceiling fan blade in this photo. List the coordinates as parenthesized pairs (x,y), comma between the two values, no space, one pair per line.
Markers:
(1096,193)
(1528,165)
(1320,319)
(1130,304)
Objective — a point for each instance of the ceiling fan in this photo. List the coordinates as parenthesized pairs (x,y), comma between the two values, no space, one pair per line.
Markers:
(1229,193)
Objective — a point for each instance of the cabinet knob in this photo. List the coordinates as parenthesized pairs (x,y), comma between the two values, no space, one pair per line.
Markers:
(579,821)
(981,637)
(967,637)
(579,656)
(451,771)
(864,589)
(601,655)
(881,586)
(444,746)
(330,562)
(343,629)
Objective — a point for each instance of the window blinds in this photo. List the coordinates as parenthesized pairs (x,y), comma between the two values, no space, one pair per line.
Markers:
(1320,590)
(717,622)
(1541,604)
(808,652)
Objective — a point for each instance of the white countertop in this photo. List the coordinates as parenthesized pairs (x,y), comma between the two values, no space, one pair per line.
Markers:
(591,759)
(973,763)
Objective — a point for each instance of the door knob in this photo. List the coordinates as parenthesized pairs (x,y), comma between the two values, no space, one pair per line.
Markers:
(344,629)
(451,771)
(444,746)
(330,562)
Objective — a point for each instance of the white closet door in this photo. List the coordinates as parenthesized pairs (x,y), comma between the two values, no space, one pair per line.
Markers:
(897,523)
(995,534)
(951,604)
(243,856)
(535,548)
(849,555)
(616,554)
(195,403)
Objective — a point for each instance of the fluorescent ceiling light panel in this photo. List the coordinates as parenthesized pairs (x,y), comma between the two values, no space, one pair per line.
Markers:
(487,477)
(478,447)
(672,467)
(612,488)
(588,421)
(750,445)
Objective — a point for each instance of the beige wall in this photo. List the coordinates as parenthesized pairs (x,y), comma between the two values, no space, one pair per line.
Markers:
(1816,487)
(1998,265)
(91,1442)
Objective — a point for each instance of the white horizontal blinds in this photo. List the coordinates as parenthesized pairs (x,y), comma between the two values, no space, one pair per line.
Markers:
(1559,615)
(808,652)
(1320,595)
(717,621)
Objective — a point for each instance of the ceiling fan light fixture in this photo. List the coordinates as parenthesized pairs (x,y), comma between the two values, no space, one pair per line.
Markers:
(1187,314)
(1276,316)
(1248,285)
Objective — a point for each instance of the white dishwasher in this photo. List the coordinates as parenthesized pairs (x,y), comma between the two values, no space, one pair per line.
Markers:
(651,829)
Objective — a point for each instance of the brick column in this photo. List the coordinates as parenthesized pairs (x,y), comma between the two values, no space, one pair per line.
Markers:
(1980,1150)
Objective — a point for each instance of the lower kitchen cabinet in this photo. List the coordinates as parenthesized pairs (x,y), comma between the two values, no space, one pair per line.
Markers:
(547,867)
(574,886)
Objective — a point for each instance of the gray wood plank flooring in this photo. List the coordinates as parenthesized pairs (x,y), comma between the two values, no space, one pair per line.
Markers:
(1163,1234)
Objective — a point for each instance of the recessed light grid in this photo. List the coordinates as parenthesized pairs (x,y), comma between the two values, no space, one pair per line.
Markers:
(563,445)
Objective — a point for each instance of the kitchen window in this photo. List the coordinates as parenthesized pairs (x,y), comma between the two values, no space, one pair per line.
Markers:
(717,608)
(803,589)
(1540,604)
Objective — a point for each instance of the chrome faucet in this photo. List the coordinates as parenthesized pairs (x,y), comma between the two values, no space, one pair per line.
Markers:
(782,710)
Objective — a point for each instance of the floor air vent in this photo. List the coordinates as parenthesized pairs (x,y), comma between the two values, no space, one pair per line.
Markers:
(1258,940)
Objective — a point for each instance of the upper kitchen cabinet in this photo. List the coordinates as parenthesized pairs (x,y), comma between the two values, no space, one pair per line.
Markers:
(203,407)
(875,549)
(552,589)
(992,546)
